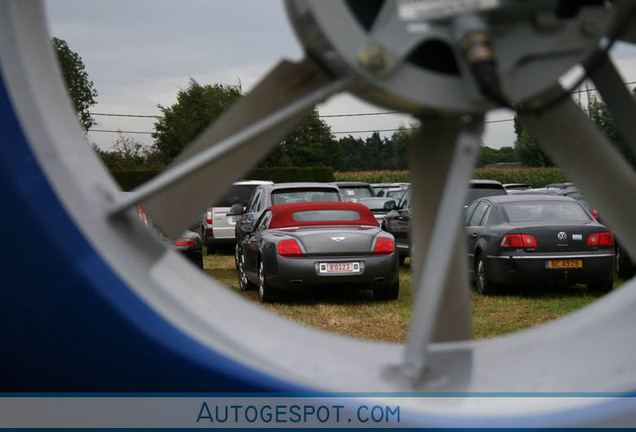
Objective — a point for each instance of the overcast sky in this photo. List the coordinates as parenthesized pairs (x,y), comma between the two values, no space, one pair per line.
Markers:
(140,53)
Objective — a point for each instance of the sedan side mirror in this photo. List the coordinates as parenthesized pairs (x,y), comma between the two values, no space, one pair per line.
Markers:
(246,226)
(237,209)
(389,205)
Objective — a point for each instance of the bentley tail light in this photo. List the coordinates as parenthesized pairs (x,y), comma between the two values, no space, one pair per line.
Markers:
(383,246)
(518,241)
(289,248)
(600,239)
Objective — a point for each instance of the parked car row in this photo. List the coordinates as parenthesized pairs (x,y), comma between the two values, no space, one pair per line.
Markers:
(292,236)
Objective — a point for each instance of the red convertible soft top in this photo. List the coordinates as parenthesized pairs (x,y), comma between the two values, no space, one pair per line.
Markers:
(320,213)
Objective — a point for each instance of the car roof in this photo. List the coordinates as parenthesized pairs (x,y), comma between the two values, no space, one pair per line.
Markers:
(283,214)
(296,185)
(494,184)
(252,182)
(352,183)
(527,198)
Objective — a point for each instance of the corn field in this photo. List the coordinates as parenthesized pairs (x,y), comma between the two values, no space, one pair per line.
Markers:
(535,177)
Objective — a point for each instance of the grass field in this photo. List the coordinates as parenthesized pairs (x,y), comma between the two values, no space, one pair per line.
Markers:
(358,314)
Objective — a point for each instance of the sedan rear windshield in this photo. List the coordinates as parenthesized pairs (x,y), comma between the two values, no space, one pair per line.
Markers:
(285,196)
(541,211)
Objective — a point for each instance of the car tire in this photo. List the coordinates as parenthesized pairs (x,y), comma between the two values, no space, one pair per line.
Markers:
(197,259)
(402,258)
(244,282)
(601,287)
(209,248)
(483,284)
(390,292)
(625,268)
(266,293)
(237,254)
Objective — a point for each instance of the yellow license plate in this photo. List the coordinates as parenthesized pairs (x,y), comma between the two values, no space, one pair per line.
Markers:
(564,264)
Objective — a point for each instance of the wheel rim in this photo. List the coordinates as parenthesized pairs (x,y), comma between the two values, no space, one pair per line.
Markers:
(261,281)
(149,294)
(481,274)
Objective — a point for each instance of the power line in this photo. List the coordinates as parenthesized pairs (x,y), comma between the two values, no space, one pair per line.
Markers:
(507,120)
(120,131)
(320,116)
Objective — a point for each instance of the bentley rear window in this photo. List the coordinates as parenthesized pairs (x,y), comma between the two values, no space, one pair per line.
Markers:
(326,215)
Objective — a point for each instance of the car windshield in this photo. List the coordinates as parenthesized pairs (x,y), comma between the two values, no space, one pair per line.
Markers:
(326,215)
(349,192)
(285,196)
(236,194)
(540,211)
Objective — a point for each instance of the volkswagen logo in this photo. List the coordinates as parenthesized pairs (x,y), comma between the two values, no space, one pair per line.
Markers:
(562,236)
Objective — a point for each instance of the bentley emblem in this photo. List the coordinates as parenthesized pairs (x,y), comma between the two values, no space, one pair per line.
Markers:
(338,239)
(562,236)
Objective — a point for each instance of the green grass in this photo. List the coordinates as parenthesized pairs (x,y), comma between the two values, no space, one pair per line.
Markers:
(356,313)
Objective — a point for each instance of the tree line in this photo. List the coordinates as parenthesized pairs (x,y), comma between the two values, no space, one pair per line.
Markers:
(311,144)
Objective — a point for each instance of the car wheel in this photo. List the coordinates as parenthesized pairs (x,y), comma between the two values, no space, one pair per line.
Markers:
(390,292)
(237,254)
(244,282)
(625,269)
(210,248)
(402,258)
(483,284)
(266,293)
(602,287)
(198,260)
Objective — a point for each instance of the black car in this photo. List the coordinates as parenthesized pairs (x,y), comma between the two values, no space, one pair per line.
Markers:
(335,244)
(398,219)
(534,239)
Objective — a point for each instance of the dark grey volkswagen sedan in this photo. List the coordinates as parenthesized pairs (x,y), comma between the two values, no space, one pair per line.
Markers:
(301,245)
(532,239)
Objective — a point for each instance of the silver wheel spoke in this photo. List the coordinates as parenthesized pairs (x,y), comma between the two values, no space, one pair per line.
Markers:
(591,162)
(390,33)
(440,180)
(618,98)
(236,141)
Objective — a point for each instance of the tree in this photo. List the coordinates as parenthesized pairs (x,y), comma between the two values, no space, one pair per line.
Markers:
(80,89)
(401,139)
(127,154)
(527,149)
(197,106)
(311,144)
(599,113)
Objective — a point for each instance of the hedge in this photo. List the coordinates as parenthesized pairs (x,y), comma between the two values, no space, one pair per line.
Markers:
(129,180)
